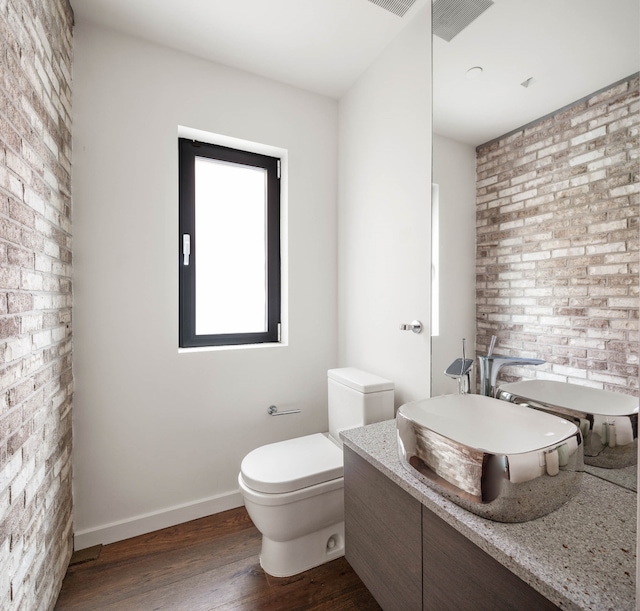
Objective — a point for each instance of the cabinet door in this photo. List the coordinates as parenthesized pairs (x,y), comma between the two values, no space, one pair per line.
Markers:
(459,576)
(382,535)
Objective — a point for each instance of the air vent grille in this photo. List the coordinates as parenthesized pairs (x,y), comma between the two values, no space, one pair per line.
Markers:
(450,17)
(397,7)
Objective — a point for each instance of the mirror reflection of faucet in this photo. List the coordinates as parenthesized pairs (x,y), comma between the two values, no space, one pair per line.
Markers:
(460,370)
(491,365)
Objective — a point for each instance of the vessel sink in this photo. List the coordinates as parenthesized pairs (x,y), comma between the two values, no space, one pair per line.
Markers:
(499,460)
(608,421)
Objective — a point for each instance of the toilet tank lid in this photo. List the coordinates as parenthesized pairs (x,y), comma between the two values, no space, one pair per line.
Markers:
(359,380)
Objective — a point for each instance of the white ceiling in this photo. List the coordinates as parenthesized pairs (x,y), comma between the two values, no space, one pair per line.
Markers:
(319,45)
(570,47)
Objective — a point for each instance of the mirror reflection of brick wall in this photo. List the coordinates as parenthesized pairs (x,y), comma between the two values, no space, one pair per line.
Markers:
(35,301)
(557,242)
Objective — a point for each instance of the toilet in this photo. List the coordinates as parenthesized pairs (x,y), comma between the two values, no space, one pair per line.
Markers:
(293,489)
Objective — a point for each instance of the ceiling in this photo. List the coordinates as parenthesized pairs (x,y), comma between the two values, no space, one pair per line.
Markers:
(318,45)
(570,48)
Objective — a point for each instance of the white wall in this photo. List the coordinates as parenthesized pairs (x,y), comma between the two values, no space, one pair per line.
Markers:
(158,435)
(384,213)
(454,170)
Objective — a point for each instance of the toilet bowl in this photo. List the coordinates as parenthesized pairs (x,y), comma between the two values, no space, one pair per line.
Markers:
(293,490)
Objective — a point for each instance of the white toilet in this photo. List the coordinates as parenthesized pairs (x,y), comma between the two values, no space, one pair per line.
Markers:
(293,490)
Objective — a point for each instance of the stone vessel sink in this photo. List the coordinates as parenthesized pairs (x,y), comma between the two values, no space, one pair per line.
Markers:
(502,461)
(608,421)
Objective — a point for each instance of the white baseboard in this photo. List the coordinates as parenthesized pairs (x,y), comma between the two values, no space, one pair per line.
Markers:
(140,525)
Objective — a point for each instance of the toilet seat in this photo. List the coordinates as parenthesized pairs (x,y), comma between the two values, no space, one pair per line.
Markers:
(287,498)
(294,464)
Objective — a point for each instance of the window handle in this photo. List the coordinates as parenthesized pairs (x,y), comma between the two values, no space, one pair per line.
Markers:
(186,248)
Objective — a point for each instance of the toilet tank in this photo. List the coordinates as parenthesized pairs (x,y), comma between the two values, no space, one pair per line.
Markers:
(357,398)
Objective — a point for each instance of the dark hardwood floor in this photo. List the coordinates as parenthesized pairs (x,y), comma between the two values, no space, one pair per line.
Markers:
(211,563)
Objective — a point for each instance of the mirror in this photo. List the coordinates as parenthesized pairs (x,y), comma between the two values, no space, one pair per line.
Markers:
(548,275)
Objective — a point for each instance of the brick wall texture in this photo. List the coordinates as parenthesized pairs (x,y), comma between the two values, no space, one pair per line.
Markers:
(557,243)
(35,301)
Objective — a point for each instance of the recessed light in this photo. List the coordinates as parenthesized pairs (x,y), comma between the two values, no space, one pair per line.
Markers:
(474,73)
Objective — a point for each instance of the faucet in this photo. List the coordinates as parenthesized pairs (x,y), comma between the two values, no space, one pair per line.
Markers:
(460,370)
(491,365)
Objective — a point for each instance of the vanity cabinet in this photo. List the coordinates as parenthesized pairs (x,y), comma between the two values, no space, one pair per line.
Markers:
(383,535)
(412,560)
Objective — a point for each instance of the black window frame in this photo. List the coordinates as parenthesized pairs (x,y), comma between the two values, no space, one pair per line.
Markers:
(188,151)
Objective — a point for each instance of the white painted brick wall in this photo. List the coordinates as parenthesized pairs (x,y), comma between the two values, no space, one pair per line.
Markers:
(557,242)
(35,301)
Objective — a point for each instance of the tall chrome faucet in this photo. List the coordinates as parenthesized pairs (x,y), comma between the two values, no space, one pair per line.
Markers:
(491,365)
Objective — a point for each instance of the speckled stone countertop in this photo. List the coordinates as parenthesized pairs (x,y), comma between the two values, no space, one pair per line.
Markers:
(581,556)
(627,477)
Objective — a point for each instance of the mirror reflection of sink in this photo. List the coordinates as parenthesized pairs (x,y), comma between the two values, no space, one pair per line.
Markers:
(501,461)
(608,421)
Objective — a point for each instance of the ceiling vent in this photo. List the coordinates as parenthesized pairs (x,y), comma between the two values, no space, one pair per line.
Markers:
(450,17)
(397,7)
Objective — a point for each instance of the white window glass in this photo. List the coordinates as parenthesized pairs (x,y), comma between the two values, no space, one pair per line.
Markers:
(230,222)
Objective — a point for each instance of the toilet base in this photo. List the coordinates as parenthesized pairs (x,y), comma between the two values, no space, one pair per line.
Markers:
(286,558)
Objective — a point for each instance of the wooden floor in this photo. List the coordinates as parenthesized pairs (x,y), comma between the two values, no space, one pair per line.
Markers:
(211,563)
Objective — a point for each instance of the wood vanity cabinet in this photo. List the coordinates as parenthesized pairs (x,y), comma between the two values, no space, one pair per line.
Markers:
(412,560)
(383,536)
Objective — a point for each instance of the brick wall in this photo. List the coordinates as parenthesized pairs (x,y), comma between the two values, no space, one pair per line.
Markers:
(557,242)
(35,301)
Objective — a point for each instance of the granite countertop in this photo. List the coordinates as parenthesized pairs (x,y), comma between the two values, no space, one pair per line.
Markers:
(581,556)
(627,477)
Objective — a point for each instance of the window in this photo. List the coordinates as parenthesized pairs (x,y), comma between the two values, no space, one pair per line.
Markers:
(229,204)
